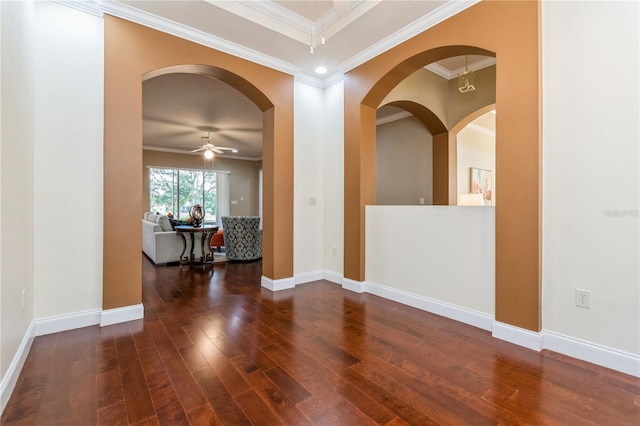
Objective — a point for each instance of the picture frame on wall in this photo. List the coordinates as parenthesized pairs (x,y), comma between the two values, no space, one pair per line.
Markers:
(481,183)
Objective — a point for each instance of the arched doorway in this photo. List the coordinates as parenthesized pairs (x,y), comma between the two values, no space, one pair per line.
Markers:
(510,32)
(132,53)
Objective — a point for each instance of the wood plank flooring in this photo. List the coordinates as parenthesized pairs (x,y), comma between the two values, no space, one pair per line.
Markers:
(216,348)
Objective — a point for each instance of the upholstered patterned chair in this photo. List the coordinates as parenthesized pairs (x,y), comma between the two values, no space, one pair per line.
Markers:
(242,237)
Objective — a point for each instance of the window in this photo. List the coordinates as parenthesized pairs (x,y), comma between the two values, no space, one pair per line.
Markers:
(177,190)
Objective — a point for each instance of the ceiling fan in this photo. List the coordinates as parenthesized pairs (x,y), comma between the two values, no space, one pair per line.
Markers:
(210,147)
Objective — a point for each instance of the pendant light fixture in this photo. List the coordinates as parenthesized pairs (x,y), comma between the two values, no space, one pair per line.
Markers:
(467,78)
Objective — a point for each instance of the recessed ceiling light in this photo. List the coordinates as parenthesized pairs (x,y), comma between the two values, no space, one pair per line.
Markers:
(321,70)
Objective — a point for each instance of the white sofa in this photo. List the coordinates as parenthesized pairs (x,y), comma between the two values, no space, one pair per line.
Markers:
(160,242)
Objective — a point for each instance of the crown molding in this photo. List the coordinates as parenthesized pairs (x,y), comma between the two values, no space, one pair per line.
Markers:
(332,24)
(450,75)
(439,70)
(309,79)
(393,117)
(120,10)
(332,79)
(270,15)
(481,130)
(422,24)
(88,6)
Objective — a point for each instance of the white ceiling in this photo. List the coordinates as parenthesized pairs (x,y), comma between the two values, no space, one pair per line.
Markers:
(278,34)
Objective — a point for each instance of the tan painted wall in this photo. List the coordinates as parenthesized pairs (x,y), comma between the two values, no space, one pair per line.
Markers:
(243,180)
(460,105)
(131,51)
(403,163)
(425,88)
(511,31)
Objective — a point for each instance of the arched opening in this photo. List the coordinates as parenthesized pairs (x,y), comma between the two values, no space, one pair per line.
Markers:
(405,135)
(476,157)
(508,31)
(125,69)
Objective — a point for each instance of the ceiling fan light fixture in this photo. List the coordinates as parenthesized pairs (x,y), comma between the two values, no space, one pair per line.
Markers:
(208,154)
(466,79)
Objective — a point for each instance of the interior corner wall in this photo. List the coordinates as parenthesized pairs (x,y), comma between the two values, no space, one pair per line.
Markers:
(68,155)
(404,163)
(334,179)
(16,178)
(591,171)
(309,164)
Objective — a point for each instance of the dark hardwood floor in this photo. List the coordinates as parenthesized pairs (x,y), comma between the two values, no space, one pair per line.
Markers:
(216,348)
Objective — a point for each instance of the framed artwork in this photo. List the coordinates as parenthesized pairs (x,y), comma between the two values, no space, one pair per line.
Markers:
(481,184)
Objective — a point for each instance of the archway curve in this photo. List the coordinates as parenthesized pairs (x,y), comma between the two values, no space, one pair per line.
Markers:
(472,116)
(511,31)
(458,127)
(237,82)
(431,121)
(402,70)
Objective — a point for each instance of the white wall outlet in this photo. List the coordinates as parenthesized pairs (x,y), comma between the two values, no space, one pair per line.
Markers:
(313,200)
(421,201)
(24,294)
(334,251)
(583,298)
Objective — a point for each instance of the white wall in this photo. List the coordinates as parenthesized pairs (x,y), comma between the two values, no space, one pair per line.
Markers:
(16,179)
(308,192)
(475,149)
(334,180)
(443,253)
(404,163)
(590,171)
(68,174)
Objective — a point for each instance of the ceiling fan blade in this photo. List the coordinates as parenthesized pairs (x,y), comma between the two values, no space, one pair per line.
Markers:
(199,149)
(216,150)
(226,148)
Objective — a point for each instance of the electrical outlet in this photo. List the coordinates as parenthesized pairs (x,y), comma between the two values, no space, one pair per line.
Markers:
(583,298)
(24,292)
(334,252)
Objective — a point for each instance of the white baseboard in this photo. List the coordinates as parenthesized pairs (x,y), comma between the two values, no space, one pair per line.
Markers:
(277,285)
(596,354)
(307,277)
(519,336)
(321,274)
(67,322)
(55,324)
(458,313)
(334,277)
(355,286)
(124,314)
(10,378)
